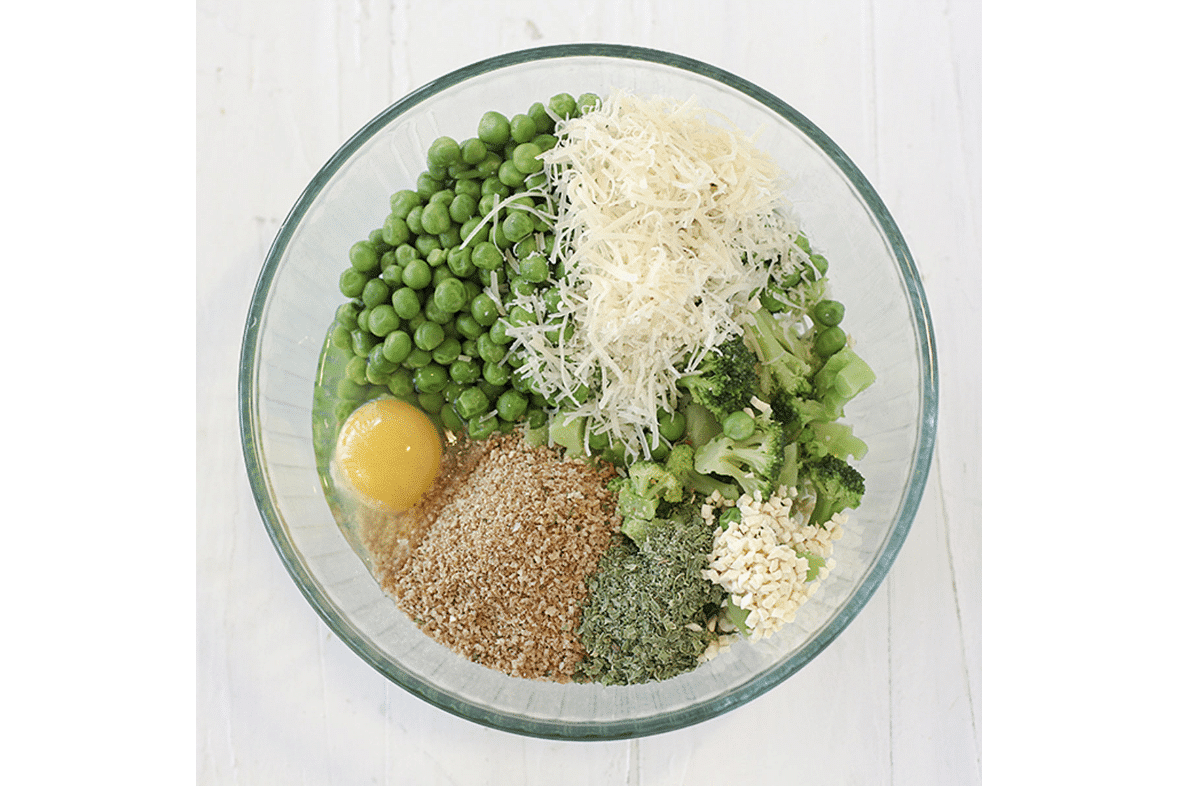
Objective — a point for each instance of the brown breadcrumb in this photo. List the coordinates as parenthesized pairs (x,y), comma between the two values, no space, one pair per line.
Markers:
(493,562)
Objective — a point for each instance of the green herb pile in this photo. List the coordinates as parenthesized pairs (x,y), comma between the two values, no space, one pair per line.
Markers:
(648,608)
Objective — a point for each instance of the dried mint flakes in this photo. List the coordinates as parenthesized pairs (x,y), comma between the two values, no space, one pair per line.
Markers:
(641,599)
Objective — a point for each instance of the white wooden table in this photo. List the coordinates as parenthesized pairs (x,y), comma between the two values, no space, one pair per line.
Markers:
(896,699)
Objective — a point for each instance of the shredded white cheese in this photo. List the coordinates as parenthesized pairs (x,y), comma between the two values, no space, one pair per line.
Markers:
(665,224)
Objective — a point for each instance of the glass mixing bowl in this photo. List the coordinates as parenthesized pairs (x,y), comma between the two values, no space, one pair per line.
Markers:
(871,272)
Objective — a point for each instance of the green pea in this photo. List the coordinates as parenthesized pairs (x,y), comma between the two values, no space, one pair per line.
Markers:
(509,175)
(435,218)
(482,426)
(534,268)
(469,346)
(517,226)
(829,341)
(829,312)
(672,425)
(383,320)
(552,299)
(523,128)
(435,258)
(430,378)
(498,331)
(450,238)
(471,403)
(820,265)
(427,186)
(400,382)
(375,292)
(486,256)
(536,181)
(413,220)
(563,106)
(494,129)
(350,391)
(473,234)
(431,402)
(512,405)
(489,165)
(363,256)
(417,275)
(521,287)
(443,197)
(452,391)
(418,358)
(545,142)
(518,315)
(405,302)
(404,201)
(351,282)
(450,294)
(470,187)
(463,208)
(468,326)
(395,230)
(540,117)
(588,102)
(356,369)
(772,299)
(434,313)
(488,203)
(363,342)
(392,276)
(444,151)
(346,315)
(379,363)
(473,151)
(459,262)
(428,336)
(448,351)
(397,346)
(450,419)
(536,418)
(464,372)
(488,350)
(739,426)
(341,337)
(660,451)
(425,244)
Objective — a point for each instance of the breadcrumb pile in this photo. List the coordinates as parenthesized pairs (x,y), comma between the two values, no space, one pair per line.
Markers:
(758,559)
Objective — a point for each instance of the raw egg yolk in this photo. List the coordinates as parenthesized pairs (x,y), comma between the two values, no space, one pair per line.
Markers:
(388,452)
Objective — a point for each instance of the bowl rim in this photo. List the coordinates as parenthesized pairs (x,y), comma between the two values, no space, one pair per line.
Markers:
(667,721)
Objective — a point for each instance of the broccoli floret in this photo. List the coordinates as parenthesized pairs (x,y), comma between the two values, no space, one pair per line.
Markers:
(725,380)
(837,485)
(783,369)
(795,413)
(754,463)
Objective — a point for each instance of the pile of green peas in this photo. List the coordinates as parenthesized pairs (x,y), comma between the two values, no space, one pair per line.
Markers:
(420,319)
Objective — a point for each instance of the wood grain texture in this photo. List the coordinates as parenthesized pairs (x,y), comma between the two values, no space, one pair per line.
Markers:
(896,699)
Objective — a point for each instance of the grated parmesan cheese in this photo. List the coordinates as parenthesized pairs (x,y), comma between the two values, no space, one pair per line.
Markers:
(666,223)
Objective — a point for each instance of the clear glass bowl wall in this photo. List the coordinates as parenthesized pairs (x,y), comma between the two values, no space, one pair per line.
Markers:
(298,293)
